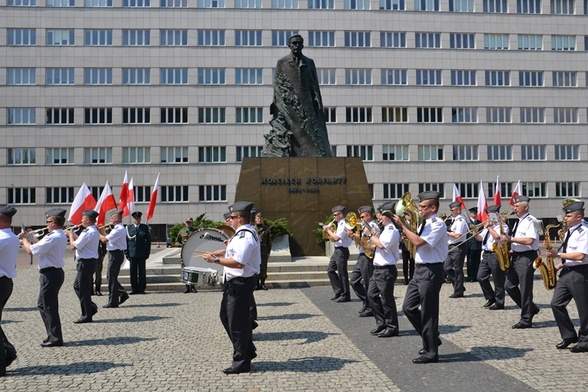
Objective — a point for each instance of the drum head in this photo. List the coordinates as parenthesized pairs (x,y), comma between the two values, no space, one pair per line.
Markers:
(199,242)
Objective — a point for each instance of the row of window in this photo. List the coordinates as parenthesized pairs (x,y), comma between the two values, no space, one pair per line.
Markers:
(557,7)
(255,115)
(354,39)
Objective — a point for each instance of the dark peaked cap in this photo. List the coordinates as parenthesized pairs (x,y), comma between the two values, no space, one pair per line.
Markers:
(575,206)
(8,211)
(56,212)
(429,195)
(246,206)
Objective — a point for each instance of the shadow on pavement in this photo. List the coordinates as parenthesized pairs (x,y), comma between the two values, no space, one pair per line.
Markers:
(165,305)
(131,319)
(496,352)
(293,316)
(67,370)
(31,309)
(277,304)
(307,336)
(304,365)
(114,341)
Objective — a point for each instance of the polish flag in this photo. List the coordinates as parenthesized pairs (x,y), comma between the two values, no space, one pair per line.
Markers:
(457,196)
(497,201)
(516,192)
(106,202)
(153,200)
(129,207)
(482,204)
(124,193)
(82,202)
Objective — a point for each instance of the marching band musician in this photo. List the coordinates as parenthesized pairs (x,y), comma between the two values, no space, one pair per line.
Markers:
(381,285)
(407,257)
(573,279)
(50,249)
(489,265)
(524,245)
(337,269)
(453,264)
(364,267)
(116,244)
(474,249)
(241,259)
(421,301)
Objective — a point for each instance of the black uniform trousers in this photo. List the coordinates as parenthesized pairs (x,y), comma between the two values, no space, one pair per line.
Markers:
(421,305)
(489,266)
(407,264)
(360,279)
(521,274)
(572,283)
(50,282)
(473,263)
(115,289)
(98,273)
(138,275)
(83,287)
(338,274)
(453,266)
(235,315)
(381,297)
(7,352)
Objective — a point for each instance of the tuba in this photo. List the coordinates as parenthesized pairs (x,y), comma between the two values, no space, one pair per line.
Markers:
(502,251)
(547,267)
(407,206)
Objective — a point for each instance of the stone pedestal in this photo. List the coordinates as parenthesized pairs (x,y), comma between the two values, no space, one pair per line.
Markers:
(303,190)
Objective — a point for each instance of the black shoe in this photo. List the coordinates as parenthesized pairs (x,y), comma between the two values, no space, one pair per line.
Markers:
(496,307)
(421,360)
(422,350)
(536,311)
(387,333)
(343,299)
(335,298)
(94,308)
(264,287)
(193,289)
(366,314)
(377,330)
(233,370)
(82,321)
(566,342)
(519,325)
(577,349)
(405,282)
(57,343)
(454,295)
(134,292)
(123,298)
(98,293)
(187,290)
(254,325)
(110,306)
(489,303)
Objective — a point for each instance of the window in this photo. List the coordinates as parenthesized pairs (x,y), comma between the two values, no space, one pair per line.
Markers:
(530,42)
(394,114)
(280,37)
(426,5)
(463,78)
(468,189)
(59,76)
(98,37)
(136,115)
(394,76)
(532,152)
(327,76)
(211,3)
(173,37)
(321,4)
(21,76)
(21,37)
(60,116)
(174,155)
(21,195)
(428,77)
(136,3)
(60,37)
(248,38)
(499,152)
(430,153)
(366,153)
(22,3)
(285,4)
(59,156)
(247,3)
(565,115)
(496,41)
(532,115)
(395,153)
(563,42)
(528,7)
(461,5)
(212,154)
(464,115)
(173,3)
(394,191)
(356,4)
(495,6)
(98,116)
(248,76)
(142,194)
(136,37)
(136,76)
(330,114)
(211,76)
(357,39)
(566,152)
(562,7)
(321,38)
(530,78)
(437,187)
(462,41)
(249,115)
(497,78)
(212,193)
(534,189)
(21,116)
(211,37)
(427,40)
(396,5)
(173,193)
(89,3)
(358,76)
(97,76)
(429,115)
(505,188)
(567,189)
(248,151)
(173,76)
(59,195)
(97,155)
(498,115)
(465,153)
(564,79)
(174,115)
(21,156)
(389,39)
(211,115)
(358,115)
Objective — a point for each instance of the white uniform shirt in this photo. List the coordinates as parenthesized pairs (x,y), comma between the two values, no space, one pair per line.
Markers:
(9,245)
(87,243)
(375,230)
(390,239)
(525,229)
(244,247)
(491,240)
(117,238)
(578,242)
(460,226)
(51,249)
(435,235)
(344,240)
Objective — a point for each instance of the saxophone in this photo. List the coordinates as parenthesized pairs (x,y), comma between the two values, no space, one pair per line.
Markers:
(547,268)
(502,251)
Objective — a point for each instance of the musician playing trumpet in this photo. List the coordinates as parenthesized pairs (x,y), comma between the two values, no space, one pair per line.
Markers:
(453,265)
(337,269)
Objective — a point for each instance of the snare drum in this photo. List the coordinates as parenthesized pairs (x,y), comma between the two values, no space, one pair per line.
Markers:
(199,276)
(201,241)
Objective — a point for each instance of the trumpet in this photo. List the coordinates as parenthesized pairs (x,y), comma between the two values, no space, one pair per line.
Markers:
(103,229)
(39,232)
(72,227)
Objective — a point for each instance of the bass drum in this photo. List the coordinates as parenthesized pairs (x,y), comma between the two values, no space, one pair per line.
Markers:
(202,241)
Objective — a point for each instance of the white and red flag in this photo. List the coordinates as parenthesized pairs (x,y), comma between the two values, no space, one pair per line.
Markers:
(515,192)
(106,202)
(482,204)
(124,193)
(153,199)
(82,202)
(129,207)
(457,196)
(497,201)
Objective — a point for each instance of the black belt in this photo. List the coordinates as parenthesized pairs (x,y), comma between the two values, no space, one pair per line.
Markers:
(241,279)
(116,250)
(488,251)
(5,277)
(96,259)
(523,252)
(384,266)
(418,265)
(341,247)
(575,267)
(46,269)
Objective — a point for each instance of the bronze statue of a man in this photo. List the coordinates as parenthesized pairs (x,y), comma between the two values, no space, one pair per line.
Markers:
(298,125)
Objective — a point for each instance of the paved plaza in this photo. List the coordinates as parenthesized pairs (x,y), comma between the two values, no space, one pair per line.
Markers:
(170,341)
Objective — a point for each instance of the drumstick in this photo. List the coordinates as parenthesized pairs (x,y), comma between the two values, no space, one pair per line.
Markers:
(201,251)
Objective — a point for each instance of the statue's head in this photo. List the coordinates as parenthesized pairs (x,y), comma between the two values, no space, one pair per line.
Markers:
(296,44)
